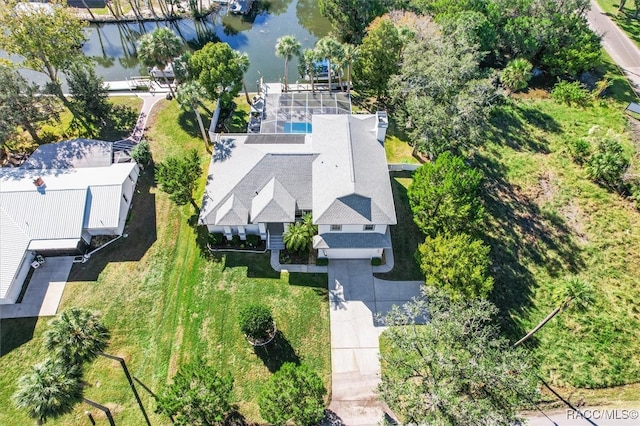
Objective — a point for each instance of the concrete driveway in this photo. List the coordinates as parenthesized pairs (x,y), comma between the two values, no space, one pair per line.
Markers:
(356,298)
(44,291)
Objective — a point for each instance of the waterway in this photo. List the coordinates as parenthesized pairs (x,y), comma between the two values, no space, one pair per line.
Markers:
(113,46)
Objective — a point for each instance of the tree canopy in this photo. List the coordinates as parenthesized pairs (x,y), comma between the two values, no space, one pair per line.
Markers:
(444,196)
(49,39)
(199,395)
(220,70)
(21,107)
(286,48)
(350,18)
(378,59)
(293,394)
(455,369)
(456,264)
(178,177)
(158,49)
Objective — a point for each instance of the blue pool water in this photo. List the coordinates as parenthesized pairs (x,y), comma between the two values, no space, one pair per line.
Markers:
(297,127)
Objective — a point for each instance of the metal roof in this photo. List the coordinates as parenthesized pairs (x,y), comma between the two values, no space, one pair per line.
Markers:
(71,154)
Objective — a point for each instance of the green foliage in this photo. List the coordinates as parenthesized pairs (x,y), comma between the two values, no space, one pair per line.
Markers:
(256,321)
(20,106)
(454,370)
(378,59)
(199,395)
(349,18)
(322,261)
(440,95)
(299,236)
(516,74)
(376,261)
(89,102)
(608,162)
(294,394)
(76,336)
(217,238)
(178,177)
(570,93)
(330,49)
(580,150)
(141,153)
(287,47)
(253,240)
(471,28)
(634,189)
(457,264)
(49,390)
(220,70)
(444,196)
(159,48)
(49,42)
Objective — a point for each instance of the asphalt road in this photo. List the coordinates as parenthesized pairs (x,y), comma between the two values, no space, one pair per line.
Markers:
(621,49)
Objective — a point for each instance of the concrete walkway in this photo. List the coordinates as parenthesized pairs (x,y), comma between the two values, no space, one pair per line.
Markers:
(356,299)
(44,291)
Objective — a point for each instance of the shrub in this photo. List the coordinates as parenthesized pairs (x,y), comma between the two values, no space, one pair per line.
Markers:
(635,193)
(141,153)
(570,93)
(609,162)
(235,240)
(580,151)
(322,261)
(253,240)
(256,321)
(216,239)
(376,261)
(517,74)
(294,394)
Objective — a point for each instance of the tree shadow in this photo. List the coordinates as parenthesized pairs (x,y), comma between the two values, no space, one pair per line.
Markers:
(518,232)
(15,332)
(140,228)
(509,125)
(277,352)
(235,418)
(188,123)
(258,264)
(318,282)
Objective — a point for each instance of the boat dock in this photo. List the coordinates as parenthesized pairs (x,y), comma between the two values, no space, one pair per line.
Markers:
(133,84)
(240,6)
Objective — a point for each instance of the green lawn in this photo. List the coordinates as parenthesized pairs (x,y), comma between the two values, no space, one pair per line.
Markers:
(624,18)
(166,302)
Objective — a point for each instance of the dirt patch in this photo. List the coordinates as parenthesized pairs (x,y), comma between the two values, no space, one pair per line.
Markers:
(575,218)
(547,188)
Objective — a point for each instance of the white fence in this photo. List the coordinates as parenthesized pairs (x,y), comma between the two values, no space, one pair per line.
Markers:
(403,167)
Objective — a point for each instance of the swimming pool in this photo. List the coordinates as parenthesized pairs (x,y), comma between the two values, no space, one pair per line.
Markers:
(297,127)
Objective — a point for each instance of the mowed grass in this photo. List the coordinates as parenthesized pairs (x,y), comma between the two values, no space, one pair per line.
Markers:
(166,303)
(547,221)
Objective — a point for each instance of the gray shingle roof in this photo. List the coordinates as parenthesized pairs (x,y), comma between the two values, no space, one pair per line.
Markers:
(352,181)
(232,212)
(352,240)
(273,204)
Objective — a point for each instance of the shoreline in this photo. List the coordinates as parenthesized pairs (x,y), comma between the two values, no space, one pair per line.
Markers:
(146,15)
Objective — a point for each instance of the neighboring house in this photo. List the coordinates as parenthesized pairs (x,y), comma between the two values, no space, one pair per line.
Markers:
(61,197)
(261,183)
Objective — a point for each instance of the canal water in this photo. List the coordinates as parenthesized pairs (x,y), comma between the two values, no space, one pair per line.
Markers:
(113,46)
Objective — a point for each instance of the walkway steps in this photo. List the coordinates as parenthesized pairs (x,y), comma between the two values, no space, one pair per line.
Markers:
(276,243)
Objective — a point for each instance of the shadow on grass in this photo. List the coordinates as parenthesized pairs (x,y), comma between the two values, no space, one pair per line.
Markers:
(276,353)
(405,236)
(518,233)
(258,264)
(319,282)
(628,23)
(507,126)
(15,332)
(141,230)
(235,418)
(188,123)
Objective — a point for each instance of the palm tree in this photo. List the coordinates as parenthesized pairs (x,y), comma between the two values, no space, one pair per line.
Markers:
(158,49)
(300,235)
(308,59)
(76,336)
(350,54)
(286,47)
(329,48)
(50,390)
(575,293)
(516,74)
(189,96)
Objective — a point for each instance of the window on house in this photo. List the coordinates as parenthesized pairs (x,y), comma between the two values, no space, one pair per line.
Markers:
(336,227)
(125,198)
(369,227)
